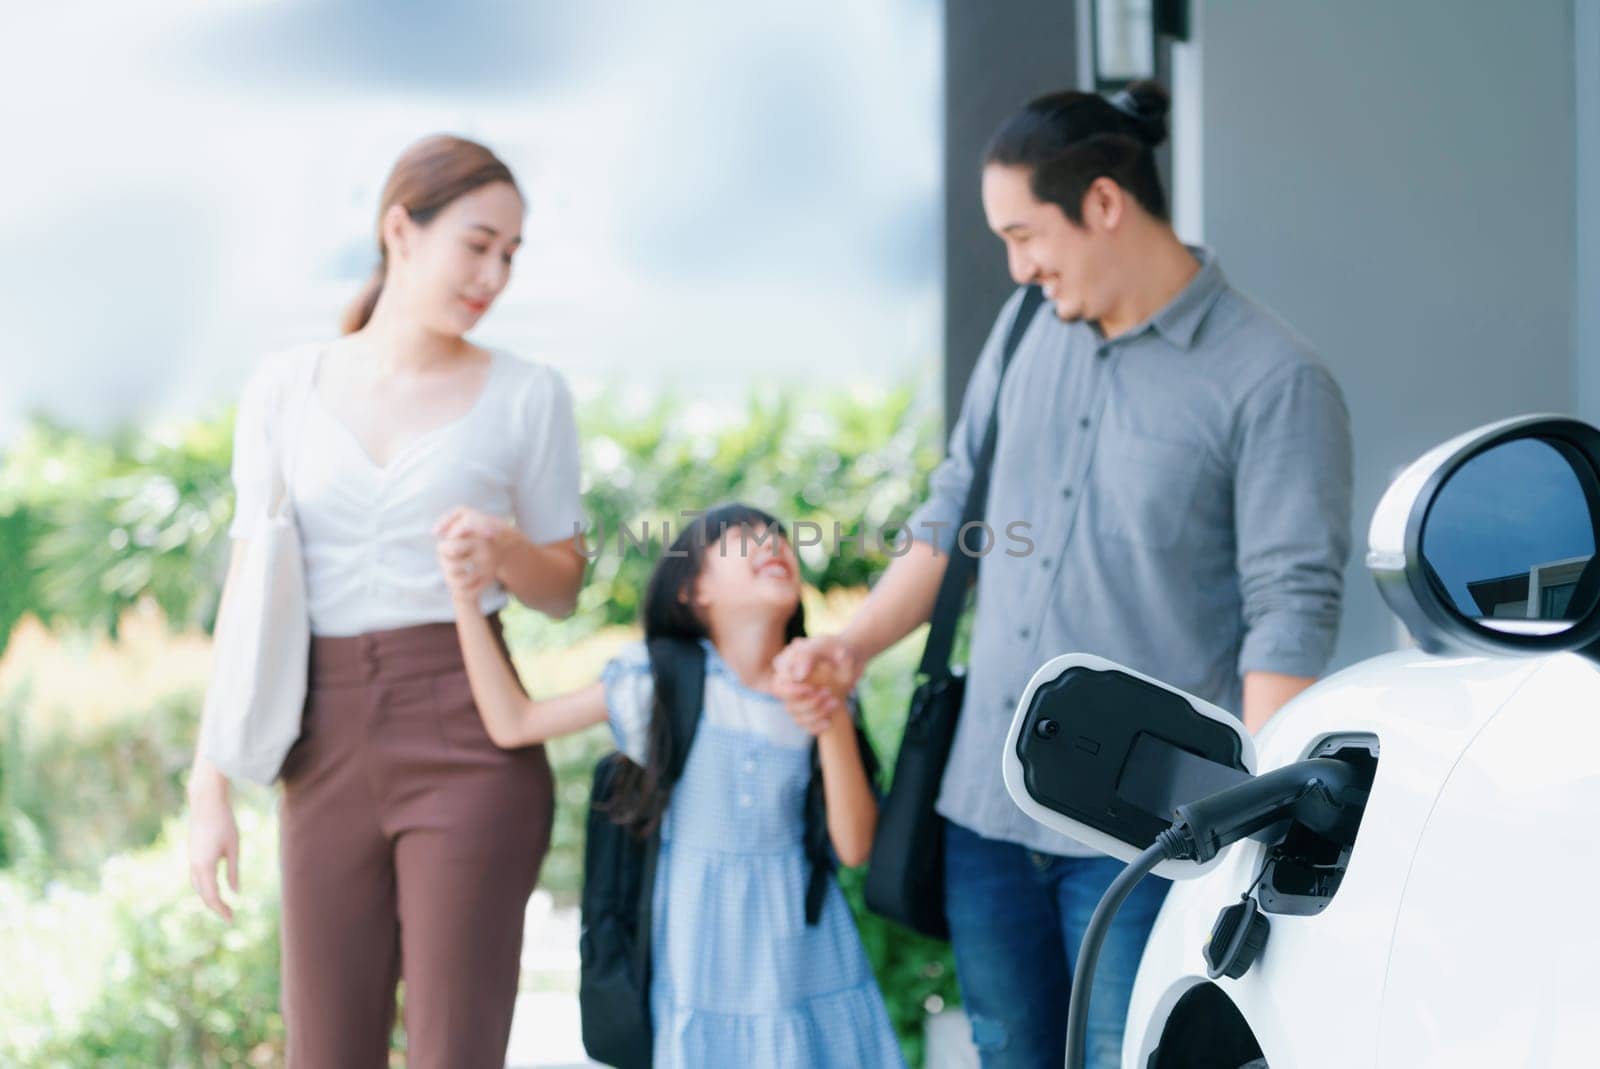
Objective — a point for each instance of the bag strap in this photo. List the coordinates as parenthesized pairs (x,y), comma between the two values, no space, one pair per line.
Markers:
(293,405)
(958,573)
(678,667)
(819,847)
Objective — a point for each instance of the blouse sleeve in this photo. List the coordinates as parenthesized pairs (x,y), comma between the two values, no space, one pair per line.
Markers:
(546,498)
(630,697)
(252,456)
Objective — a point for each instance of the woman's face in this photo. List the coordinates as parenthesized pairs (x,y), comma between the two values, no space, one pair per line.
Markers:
(452,269)
(750,568)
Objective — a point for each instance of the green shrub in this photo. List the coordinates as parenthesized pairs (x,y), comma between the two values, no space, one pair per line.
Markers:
(137,973)
(103,523)
(87,794)
(106,524)
(837,458)
(19,580)
(115,521)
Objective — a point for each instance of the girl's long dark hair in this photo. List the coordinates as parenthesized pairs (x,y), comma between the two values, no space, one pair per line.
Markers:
(639,799)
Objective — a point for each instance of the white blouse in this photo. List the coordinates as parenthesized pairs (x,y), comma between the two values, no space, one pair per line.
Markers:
(367,531)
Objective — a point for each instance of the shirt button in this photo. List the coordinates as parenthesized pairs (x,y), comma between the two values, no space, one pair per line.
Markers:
(1025,632)
(1066,491)
(1008,703)
(1084,423)
(1046,563)
(749,766)
(745,801)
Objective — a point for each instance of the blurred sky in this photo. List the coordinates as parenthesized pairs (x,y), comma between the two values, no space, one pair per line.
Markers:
(721,193)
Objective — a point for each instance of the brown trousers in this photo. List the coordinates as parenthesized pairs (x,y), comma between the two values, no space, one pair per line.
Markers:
(410,844)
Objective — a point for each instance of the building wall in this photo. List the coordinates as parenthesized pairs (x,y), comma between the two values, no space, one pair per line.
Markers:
(997,57)
(1397,182)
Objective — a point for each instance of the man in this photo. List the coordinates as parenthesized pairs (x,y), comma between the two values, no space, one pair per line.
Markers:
(1182,462)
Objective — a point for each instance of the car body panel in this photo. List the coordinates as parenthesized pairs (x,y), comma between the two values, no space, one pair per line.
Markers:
(1315,998)
(1496,945)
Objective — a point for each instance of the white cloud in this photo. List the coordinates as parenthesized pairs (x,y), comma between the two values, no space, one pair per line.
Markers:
(745,193)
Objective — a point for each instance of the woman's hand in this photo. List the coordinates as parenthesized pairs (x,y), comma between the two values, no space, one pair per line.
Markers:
(213,837)
(471,545)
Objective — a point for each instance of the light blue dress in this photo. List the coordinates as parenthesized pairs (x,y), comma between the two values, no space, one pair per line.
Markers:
(740,979)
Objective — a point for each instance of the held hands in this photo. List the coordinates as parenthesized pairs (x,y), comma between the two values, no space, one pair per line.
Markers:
(470,546)
(814,679)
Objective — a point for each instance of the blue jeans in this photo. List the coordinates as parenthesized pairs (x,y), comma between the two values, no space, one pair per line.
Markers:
(1016,919)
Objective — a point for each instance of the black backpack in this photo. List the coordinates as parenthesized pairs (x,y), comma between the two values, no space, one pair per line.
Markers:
(619,872)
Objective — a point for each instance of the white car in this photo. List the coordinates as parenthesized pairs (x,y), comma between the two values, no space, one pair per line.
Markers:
(1423,895)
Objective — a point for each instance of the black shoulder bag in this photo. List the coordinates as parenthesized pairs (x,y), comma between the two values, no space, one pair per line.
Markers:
(905,875)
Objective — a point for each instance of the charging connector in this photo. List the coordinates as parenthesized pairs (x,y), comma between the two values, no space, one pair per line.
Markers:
(1320,793)
(1313,793)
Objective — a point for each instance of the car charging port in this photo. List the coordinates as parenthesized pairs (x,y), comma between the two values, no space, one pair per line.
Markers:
(1305,866)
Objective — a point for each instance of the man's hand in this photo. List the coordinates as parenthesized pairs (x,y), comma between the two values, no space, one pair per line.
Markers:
(814,676)
(827,660)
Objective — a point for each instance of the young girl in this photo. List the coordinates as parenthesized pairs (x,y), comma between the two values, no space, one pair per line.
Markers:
(739,978)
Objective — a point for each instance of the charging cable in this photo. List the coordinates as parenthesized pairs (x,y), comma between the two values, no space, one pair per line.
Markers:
(1314,793)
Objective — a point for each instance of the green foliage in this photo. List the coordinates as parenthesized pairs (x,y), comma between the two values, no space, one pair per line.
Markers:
(19,580)
(859,462)
(91,526)
(83,795)
(111,522)
(137,973)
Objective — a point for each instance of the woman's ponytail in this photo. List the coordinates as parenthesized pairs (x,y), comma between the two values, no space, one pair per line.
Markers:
(359,311)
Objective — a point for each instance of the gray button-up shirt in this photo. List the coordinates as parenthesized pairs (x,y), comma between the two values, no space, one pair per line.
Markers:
(1185,488)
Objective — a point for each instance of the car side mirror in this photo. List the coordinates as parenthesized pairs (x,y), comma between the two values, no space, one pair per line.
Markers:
(1487,543)
(1104,754)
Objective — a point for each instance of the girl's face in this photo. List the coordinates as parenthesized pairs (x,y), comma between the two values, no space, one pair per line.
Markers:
(452,269)
(750,569)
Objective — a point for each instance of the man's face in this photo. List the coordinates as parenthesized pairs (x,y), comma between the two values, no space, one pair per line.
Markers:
(1043,246)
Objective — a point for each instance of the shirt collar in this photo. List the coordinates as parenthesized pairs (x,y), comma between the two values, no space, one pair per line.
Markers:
(1181,317)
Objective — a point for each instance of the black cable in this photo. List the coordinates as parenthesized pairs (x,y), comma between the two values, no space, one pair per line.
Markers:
(1095,935)
(1314,792)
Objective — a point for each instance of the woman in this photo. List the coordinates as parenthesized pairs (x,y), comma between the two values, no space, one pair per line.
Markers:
(409,841)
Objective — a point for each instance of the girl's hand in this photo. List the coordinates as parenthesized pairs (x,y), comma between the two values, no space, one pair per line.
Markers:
(813,708)
(470,546)
(816,702)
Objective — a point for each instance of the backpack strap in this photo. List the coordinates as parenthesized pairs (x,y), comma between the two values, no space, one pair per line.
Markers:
(678,667)
(819,847)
